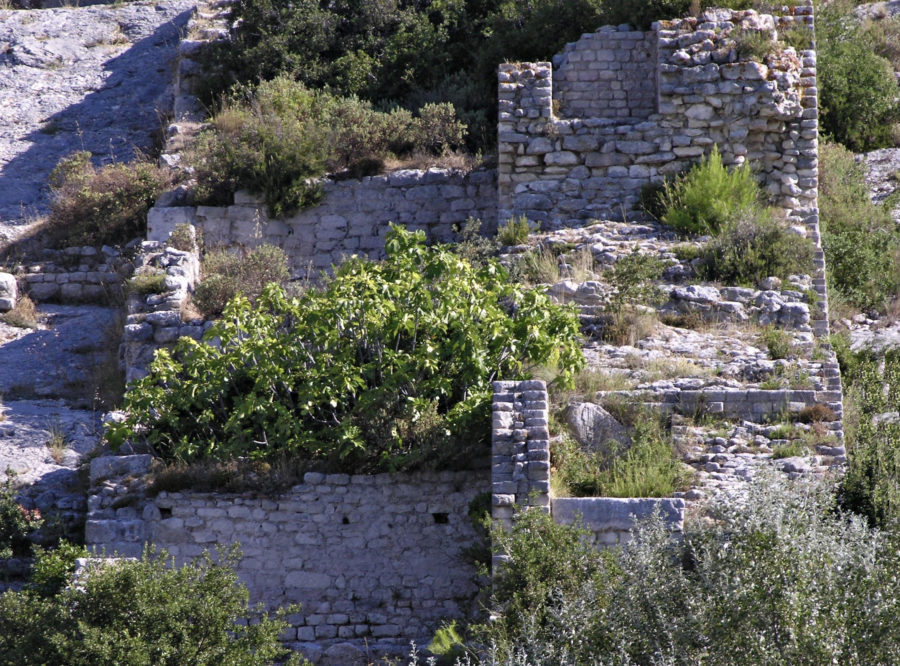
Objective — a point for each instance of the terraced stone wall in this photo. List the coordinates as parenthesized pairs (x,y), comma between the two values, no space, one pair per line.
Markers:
(560,169)
(352,218)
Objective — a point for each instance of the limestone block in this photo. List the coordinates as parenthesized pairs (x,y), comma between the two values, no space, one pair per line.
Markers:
(161,222)
(8,292)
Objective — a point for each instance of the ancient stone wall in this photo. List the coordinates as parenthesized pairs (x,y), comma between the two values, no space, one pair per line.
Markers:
(352,218)
(607,74)
(75,275)
(375,561)
(561,170)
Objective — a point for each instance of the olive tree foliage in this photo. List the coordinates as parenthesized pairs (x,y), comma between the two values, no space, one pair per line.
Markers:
(389,365)
(144,612)
(782,578)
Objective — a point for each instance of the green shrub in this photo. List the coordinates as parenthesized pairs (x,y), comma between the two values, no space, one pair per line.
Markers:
(147,282)
(227,274)
(857,87)
(389,365)
(709,196)
(275,138)
(53,569)
(142,612)
(16,522)
(779,343)
(633,278)
(782,578)
(106,205)
(755,44)
(753,247)
(861,243)
(641,14)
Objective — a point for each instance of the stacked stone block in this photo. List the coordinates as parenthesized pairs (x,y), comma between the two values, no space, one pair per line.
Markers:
(520,448)
(607,74)
(352,219)
(610,521)
(155,321)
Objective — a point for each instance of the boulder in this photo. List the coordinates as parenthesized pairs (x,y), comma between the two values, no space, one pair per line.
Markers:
(596,429)
(8,292)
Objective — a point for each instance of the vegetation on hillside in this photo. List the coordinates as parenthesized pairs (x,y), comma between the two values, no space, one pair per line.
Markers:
(137,612)
(861,241)
(784,578)
(388,366)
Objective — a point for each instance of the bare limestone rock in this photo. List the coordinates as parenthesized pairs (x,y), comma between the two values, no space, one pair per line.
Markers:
(596,429)
(8,292)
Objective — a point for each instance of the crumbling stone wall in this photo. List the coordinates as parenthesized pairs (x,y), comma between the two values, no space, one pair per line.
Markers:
(560,170)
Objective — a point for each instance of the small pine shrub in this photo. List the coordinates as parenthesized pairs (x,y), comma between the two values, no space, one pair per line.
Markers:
(106,205)
(754,247)
(779,343)
(515,231)
(53,569)
(709,196)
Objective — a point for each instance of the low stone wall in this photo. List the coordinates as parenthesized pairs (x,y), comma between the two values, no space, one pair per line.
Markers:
(352,218)
(76,275)
(610,520)
(375,561)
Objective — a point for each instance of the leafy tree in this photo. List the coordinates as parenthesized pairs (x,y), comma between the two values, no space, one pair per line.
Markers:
(138,613)
(389,365)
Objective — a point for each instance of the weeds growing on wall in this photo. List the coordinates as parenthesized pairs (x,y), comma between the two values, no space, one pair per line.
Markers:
(388,366)
(756,245)
(229,273)
(647,468)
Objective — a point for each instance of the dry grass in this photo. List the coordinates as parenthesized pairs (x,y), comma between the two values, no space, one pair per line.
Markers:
(24,315)
(57,443)
(230,477)
(673,368)
(452,160)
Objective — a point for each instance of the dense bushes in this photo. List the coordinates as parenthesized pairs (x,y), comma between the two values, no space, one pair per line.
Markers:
(389,365)
(870,486)
(781,579)
(227,274)
(106,205)
(16,522)
(274,138)
(407,53)
(135,613)
(753,247)
(858,91)
(862,245)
